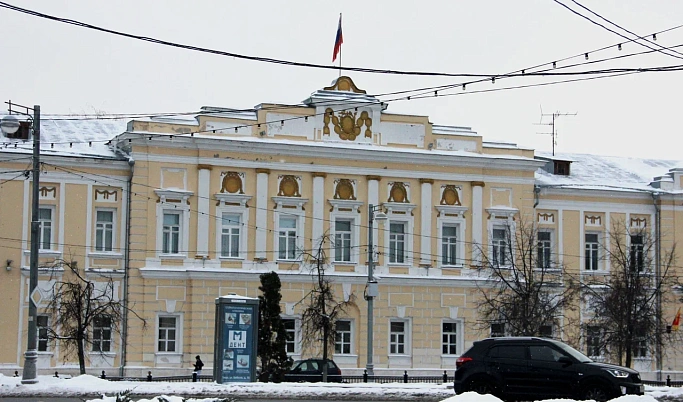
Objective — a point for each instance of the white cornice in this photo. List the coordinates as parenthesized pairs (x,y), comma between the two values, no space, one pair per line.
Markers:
(603,194)
(233,198)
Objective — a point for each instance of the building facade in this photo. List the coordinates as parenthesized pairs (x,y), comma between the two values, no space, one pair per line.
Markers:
(181,210)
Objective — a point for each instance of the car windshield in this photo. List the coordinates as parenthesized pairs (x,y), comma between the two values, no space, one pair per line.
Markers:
(574,353)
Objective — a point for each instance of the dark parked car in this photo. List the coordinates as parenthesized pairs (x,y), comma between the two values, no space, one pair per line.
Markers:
(530,368)
(311,370)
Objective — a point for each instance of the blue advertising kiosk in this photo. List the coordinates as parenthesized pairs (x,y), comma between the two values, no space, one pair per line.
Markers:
(235,339)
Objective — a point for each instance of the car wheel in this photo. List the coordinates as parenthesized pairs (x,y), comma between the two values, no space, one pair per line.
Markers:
(596,392)
(481,386)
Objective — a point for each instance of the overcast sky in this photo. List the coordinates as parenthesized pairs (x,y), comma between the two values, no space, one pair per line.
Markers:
(68,69)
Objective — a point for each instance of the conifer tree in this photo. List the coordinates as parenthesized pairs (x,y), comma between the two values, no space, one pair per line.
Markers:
(272,336)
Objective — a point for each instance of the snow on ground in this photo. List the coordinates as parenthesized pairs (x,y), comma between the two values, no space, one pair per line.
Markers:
(100,390)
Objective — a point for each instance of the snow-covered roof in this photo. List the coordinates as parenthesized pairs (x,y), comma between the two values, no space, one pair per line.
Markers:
(61,136)
(606,172)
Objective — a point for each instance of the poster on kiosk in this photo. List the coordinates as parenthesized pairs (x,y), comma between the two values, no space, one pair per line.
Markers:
(236,339)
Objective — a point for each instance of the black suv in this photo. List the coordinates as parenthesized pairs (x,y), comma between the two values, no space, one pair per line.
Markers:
(530,368)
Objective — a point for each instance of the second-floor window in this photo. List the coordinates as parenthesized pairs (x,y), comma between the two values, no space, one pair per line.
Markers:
(230,235)
(171,233)
(101,334)
(45,221)
(104,230)
(449,245)
(591,248)
(544,249)
(342,240)
(397,242)
(499,247)
(287,238)
(636,253)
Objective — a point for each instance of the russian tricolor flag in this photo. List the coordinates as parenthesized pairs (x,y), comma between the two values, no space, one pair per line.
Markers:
(338,41)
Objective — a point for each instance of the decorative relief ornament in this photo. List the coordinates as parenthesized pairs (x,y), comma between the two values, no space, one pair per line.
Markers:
(594,220)
(344,83)
(449,195)
(398,193)
(346,125)
(289,186)
(106,195)
(232,183)
(344,190)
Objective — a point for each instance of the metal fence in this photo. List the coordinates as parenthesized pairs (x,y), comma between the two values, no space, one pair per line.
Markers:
(668,383)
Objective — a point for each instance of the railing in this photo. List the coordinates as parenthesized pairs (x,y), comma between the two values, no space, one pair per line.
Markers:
(668,383)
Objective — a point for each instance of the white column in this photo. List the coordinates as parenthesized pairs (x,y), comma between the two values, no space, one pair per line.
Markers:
(261,243)
(426,222)
(318,207)
(373,198)
(203,213)
(477,219)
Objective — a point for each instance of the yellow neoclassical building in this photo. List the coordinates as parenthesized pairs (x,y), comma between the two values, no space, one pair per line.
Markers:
(180,210)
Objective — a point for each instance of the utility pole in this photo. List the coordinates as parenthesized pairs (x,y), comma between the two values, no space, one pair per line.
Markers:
(554,116)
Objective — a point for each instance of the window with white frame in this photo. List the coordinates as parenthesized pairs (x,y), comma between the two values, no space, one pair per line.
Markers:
(104,230)
(342,338)
(544,249)
(398,337)
(343,233)
(42,325)
(45,228)
(290,335)
(640,344)
(497,329)
(450,332)
(546,330)
(171,232)
(287,237)
(449,244)
(636,253)
(397,242)
(231,229)
(591,249)
(167,340)
(101,333)
(594,339)
(499,246)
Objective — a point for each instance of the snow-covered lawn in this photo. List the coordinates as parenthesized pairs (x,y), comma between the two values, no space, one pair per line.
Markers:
(105,391)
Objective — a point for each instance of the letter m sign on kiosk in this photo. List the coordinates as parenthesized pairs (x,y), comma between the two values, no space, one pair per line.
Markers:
(236,339)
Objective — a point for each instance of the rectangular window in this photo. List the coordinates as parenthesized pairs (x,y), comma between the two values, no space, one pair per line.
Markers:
(544,249)
(167,334)
(640,344)
(449,338)
(636,261)
(104,230)
(397,242)
(101,334)
(45,222)
(546,331)
(397,337)
(594,341)
(171,233)
(42,322)
(290,338)
(287,236)
(497,329)
(449,245)
(342,339)
(591,248)
(500,247)
(342,240)
(231,225)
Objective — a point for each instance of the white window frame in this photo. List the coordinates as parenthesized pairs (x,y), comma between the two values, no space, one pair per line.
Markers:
(599,265)
(38,338)
(354,251)
(102,338)
(399,213)
(351,341)
(406,337)
(297,335)
(113,246)
(173,201)
(590,335)
(497,334)
(550,248)
(459,223)
(53,227)
(290,206)
(509,251)
(244,231)
(642,252)
(459,337)
(179,334)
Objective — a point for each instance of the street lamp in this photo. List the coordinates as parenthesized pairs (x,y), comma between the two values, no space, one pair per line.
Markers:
(9,125)
(372,290)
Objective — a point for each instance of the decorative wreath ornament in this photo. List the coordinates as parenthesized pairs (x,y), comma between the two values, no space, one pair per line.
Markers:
(346,125)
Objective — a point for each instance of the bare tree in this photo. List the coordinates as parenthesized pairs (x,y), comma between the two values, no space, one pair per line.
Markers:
(80,305)
(626,322)
(525,292)
(321,307)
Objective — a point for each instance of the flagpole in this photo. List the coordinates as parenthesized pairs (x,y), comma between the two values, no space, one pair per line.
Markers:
(340,48)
